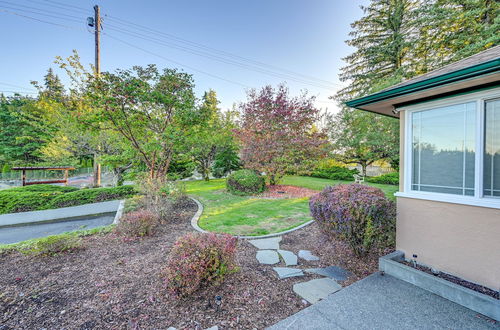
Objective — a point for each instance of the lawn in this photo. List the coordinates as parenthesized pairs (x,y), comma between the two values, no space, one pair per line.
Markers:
(224,212)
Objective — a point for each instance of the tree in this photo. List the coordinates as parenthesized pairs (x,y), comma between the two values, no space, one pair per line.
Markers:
(277,132)
(24,130)
(153,110)
(449,30)
(363,138)
(382,38)
(210,135)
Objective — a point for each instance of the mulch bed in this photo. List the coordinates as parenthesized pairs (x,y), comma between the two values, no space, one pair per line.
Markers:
(456,280)
(117,284)
(283,191)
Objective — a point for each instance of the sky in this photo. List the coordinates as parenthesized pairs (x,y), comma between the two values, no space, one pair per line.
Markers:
(227,45)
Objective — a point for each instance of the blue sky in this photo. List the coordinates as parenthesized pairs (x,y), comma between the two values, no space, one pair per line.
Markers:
(303,36)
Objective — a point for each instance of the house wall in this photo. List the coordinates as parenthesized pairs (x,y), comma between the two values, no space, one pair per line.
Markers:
(462,240)
(458,239)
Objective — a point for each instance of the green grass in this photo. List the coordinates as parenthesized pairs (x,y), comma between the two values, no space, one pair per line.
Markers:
(238,215)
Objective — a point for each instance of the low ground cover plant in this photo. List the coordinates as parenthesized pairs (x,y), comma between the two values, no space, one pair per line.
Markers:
(359,214)
(137,223)
(245,182)
(199,260)
(52,245)
(31,198)
(388,178)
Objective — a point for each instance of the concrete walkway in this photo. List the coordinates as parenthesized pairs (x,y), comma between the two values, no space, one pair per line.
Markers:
(384,302)
(15,219)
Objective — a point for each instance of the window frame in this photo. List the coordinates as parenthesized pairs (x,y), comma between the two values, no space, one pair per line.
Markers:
(478,199)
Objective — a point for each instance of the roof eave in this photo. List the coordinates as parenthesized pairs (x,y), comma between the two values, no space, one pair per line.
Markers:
(448,78)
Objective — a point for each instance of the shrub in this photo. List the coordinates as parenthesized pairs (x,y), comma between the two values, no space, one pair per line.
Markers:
(198,260)
(93,195)
(138,223)
(245,182)
(329,170)
(31,198)
(52,245)
(42,188)
(358,214)
(12,202)
(388,178)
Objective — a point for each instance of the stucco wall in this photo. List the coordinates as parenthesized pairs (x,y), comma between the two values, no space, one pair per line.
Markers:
(457,239)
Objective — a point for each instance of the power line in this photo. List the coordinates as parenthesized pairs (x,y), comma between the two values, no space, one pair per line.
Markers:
(37,19)
(224,53)
(194,44)
(63,16)
(213,57)
(38,13)
(68,6)
(17,86)
(17,92)
(174,61)
(39,9)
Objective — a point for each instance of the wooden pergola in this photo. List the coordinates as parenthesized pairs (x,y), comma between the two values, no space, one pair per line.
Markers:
(53,168)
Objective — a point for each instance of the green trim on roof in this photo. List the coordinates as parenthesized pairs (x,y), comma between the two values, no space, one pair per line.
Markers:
(466,73)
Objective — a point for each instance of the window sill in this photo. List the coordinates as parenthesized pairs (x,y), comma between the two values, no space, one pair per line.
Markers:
(472,201)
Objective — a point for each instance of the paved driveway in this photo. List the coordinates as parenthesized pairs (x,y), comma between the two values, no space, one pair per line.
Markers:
(384,302)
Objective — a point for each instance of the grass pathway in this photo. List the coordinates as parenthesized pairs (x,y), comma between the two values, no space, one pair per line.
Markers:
(237,215)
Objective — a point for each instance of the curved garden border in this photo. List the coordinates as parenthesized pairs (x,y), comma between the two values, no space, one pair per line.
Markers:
(196,217)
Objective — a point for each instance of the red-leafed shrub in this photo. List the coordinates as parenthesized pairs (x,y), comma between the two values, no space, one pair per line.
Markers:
(197,260)
(359,214)
(137,224)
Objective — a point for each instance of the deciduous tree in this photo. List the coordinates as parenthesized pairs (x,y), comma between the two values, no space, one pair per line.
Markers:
(278,132)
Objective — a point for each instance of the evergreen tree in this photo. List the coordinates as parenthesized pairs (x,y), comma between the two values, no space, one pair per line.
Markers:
(449,30)
(382,39)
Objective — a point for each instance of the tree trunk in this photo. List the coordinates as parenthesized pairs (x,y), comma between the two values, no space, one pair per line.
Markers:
(363,168)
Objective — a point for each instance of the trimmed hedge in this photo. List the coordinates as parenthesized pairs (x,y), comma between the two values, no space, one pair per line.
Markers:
(334,173)
(245,182)
(24,199)
(388,178)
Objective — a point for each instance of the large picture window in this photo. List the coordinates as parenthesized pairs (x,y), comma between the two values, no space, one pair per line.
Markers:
(443,149)
(491,172)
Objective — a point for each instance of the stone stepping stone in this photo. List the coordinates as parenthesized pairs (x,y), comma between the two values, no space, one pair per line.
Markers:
(271,243)
(334,272)
(268,257)
(289,257)
(285,272)
(307,255)
(315,290)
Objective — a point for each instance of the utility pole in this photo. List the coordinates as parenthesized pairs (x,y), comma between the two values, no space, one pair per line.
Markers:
(97,27)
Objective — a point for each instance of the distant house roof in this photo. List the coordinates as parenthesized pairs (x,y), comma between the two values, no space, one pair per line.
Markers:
(476,71)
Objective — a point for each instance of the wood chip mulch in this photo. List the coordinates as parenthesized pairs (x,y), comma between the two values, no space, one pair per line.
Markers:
(117,284)
(280,191)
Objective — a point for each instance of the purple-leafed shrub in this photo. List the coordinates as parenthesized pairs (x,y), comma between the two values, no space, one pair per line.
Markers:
(137,224)
(358,214)
(197,260)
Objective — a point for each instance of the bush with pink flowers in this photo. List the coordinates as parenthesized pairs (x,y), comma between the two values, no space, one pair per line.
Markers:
(358,214)
(199,260)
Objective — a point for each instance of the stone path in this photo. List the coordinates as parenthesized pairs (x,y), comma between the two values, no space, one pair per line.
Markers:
(315,290)
(269,253)
(268,257)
